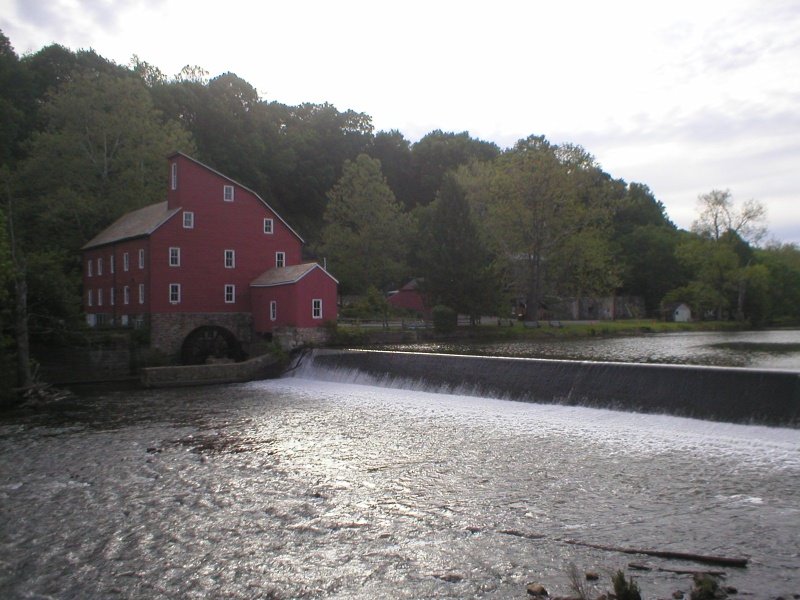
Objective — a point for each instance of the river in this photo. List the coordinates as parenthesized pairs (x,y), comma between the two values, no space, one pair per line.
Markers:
(774,349)
(301,488)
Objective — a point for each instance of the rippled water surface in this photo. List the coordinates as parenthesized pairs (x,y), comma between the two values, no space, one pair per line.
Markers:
(778,349)
(299,488)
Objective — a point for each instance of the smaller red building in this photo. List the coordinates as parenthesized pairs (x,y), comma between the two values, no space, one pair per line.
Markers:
(410,297)
(213,260)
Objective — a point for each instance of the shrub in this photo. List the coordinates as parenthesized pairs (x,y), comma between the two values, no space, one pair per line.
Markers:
(706,588)
(445,319)
(624,589)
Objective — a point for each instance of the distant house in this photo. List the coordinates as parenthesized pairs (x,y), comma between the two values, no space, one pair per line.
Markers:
(682,313)
(410,297)
(213,264)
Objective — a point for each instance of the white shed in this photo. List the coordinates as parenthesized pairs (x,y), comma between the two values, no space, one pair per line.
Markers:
(682,313)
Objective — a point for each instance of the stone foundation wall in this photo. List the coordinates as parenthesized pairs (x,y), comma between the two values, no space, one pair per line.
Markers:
(168,330)
(290,338)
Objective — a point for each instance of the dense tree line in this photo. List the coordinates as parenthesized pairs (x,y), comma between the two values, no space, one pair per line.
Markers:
(84,140)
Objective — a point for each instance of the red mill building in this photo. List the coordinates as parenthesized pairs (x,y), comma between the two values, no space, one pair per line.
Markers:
(205,270)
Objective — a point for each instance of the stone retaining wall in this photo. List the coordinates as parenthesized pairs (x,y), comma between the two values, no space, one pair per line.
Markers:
(261,367)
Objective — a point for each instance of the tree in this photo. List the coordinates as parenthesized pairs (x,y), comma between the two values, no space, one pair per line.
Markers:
(646,242)
(439,152)
(14,269)
(101,154)
(782,262)
(718,215)
(538,199)
(365,233)
(713,284)
(14,98)
(728,257)
(394,152)
(455,265)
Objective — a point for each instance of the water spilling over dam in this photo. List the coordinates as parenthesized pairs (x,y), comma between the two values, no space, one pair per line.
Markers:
(735,395)
(304,487)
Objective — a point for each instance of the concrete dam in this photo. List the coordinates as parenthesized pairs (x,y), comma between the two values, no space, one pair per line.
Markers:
(727,394)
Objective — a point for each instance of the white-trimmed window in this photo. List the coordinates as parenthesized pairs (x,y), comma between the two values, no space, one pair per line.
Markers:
(112,263)
(280,259)
(268,226)
(230,259)
(273,310)
(126,261)
(112,296)
(316,308)
(174,293)
(141,258)
(126,295)
(89,268)
(141,293)
(230,293)
(100,297)
(227,193)
(99,265)
(174,256)
(188,219)
(174,176)
(89,298)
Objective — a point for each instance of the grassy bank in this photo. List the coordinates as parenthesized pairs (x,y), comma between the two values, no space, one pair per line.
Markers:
(578,329)
(372,333)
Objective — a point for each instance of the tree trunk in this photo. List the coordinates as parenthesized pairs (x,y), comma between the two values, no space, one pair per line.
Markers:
(533,299)
(24,377)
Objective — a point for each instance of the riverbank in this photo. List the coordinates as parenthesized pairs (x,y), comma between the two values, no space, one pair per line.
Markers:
(503,330)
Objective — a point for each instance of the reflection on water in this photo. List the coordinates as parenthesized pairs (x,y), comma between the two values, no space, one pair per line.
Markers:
(761,349)
(299,488)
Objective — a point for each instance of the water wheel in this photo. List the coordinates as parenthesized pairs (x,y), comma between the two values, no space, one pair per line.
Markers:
(210,342)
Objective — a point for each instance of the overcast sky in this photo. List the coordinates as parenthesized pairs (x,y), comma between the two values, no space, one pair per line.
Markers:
(685,96)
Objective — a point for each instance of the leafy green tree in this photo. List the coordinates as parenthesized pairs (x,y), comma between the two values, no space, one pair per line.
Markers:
(715,278)
(14,98)
(365,234)
(782,262)
(394,152)
(320,139)
(439,152)
(101,154)
(455,264)
(650,266)
(646,241)
(536,202)
(721,257)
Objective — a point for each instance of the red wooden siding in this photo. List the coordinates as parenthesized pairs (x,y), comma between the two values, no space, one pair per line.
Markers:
(219,224)
(294,301)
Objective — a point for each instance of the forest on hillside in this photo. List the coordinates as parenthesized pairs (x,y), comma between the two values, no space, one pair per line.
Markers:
(84,140)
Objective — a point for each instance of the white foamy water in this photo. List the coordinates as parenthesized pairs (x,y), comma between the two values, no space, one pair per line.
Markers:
(299,488)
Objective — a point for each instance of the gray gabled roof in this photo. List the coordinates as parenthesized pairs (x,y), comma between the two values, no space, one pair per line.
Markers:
(134,224)
(287,275)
